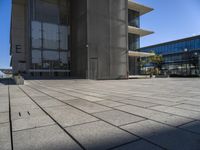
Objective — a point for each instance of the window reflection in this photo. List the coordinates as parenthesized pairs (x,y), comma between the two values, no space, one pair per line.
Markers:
(50,33)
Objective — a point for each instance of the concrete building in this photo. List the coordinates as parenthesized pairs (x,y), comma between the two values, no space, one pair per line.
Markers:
(181,57)
(75,38)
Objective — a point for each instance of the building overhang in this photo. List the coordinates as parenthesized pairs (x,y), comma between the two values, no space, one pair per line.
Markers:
(139,54)
(138,7)
(138,31)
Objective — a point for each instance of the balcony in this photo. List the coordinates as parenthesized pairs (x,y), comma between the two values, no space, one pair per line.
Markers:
(138,31)
(138,7)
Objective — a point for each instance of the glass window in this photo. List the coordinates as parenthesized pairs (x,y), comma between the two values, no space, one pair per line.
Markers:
(51,55)
(64,57)
(134,18)
(36,57)
(63,37)
(36,34)
(50,33)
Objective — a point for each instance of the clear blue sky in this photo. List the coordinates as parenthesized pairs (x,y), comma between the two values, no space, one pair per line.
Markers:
(171,19)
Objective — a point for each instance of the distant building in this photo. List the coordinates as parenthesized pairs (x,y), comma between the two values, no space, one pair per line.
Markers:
(181,57)
(75,38)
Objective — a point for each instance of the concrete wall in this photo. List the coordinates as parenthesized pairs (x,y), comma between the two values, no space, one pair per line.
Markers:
(107,39)
(79,38)
(18,36)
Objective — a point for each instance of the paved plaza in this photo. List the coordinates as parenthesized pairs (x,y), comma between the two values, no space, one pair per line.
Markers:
(144,114)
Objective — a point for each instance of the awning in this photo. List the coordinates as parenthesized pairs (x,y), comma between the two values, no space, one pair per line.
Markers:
(139,54)
(138,31)
(138,7)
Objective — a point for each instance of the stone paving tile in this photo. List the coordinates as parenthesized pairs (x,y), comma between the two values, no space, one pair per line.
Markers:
(23,107)
(44,138)
(4,117)
(110,103)
(49,103)
(178,111)
(3,99)
(139,145)
(138,103)
(100,135)
(69,116)
(31,122)
(4,107)
(191,102)
(164,135)
(87,106)
(83,96)
(118,118)
(5,140)
(155,115)
(188,107)
(153,100)
(27,113)
(24,100)
(193,126)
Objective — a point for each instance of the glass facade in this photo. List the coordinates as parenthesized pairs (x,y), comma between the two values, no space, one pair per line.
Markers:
(133,39)
(174,47)
(50,35)
(180,57)
(133,18)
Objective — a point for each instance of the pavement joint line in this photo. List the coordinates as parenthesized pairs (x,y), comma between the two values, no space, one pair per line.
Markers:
(81,146)
(118,146)
(132,122)
(186,123)
(115,108)
(104,120)
(5,122)
(81,124)
(175,114)
(10,118)
(187,109)
(35,128)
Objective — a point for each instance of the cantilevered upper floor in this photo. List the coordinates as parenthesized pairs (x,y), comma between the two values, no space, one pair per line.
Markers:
(134,13)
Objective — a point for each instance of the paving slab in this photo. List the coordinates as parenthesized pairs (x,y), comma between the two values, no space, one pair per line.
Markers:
(139,145)
(178,111)
(164,135)
(153,100)
(4,107)
(23,107)
(110,103)
(44,138)
(4,99)
(155,115)
(24,100)
(189,107)
(49,103)
(100,135)
(31,122)
(87,106)
(4,117)
(138,103)
(193,127)
(27,113)
(69,116)
(118,118)
(5,140)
